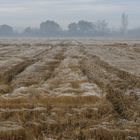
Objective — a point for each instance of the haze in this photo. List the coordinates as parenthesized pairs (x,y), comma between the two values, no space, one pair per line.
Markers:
(21,14)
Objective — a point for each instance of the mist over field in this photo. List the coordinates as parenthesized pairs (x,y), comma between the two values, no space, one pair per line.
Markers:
(81,28)
(61,18)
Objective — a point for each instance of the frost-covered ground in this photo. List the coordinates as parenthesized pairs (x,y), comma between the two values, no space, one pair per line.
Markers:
(69,89)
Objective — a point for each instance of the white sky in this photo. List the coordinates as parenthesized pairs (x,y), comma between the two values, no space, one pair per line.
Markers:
(22,13)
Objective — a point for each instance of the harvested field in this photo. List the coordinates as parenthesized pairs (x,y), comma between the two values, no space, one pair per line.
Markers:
(69,89)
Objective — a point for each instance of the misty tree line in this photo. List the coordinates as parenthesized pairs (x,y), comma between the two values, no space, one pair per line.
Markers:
(81,28)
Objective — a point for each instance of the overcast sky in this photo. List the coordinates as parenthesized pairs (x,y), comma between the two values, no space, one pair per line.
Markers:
(22,13)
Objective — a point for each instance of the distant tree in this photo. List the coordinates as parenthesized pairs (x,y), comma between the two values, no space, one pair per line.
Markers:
(31,32)
(82,28)
(124,23)
(50,28)
(102,26)
(6,30)
(73,27)
(27,31)
(86,27)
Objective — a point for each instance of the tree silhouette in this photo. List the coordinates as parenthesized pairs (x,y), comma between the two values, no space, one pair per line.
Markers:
(50,28)
(124,23)
(85,26)
(73,27)
(6,30)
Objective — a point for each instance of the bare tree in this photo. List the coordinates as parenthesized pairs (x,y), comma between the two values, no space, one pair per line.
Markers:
(102,26)
(124,23)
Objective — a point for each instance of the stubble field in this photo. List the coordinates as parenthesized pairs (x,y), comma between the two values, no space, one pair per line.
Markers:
(66,89)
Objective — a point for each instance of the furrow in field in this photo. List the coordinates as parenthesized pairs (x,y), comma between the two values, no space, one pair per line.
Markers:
(39,72)
(115,83)
(68,79)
